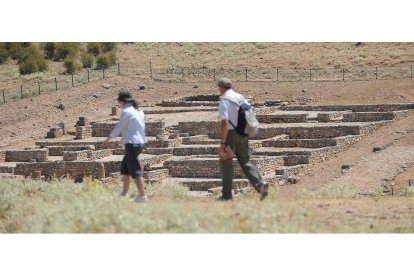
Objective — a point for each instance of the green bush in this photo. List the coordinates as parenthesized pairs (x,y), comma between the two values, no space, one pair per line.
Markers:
(112,58)
(64,49)
(30,60)
(87,60)
(103,61)
(108,46)
(71,64)
(4,55)
(94,48)
(49,49)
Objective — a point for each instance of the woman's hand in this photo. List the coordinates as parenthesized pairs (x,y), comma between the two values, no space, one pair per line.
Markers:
(105,142)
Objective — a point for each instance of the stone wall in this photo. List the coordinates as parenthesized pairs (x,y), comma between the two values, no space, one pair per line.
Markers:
(282,118)
(301,143)
(210,167)
(40,155)
(73,169)
(210,128)
(83,132)
(103,129)
(368,116)
(58,150)
(98,154)
(75,155)
(308,132)
(2,156)
(354,108)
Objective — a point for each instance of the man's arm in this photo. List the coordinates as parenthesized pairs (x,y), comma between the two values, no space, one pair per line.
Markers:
(224,128)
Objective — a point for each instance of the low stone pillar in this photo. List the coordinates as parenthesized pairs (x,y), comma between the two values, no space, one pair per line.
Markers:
(83,121)
(101,170)
(114,111)
(36,175)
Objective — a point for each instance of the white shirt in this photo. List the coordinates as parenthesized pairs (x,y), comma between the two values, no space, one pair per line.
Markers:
(131,126)
(228,109)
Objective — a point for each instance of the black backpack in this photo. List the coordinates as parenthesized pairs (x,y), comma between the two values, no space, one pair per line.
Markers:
(241,119)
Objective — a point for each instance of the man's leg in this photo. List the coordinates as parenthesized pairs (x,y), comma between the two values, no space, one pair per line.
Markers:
(227,169)
(243,157)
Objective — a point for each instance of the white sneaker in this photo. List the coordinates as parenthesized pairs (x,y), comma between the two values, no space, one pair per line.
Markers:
(141,199)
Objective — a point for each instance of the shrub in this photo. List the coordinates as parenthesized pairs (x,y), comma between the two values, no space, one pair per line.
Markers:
(71,64)
(64,49)
(30,60)
(112,58)
(4,55)
(87,60)
(94,48)
(108,46)
(103,61)
(49,49)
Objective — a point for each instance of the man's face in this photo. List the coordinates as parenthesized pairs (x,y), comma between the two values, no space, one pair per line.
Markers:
(222,89)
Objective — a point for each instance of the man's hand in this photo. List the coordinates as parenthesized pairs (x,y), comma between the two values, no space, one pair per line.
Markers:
(105,143)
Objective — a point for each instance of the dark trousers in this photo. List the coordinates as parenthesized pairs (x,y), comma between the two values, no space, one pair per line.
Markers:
(240,146)
(130,164)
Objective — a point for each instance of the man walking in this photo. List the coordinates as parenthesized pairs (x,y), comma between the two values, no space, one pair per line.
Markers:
(231,140)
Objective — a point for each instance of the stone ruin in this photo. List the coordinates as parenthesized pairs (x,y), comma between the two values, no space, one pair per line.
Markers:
(289,138)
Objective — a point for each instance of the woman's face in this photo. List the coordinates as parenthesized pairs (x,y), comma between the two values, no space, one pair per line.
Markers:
(121,104)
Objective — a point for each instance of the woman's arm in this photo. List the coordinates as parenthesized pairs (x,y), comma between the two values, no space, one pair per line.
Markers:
(120,126)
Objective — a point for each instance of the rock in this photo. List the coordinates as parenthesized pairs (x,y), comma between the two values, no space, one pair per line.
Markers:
(304,90)
(106,85)
(141,87)
(293,179)
(345,167)
(61,106)
(376,149)
(95,96)
(195,86)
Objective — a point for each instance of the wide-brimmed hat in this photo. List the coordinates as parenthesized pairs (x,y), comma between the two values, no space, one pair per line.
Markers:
(224,82)
(124,95)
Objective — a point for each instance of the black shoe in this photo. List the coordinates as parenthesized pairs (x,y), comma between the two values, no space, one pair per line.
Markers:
(263,189)
(221,198)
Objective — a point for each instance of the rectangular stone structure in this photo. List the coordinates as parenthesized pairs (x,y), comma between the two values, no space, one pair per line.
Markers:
(27,155)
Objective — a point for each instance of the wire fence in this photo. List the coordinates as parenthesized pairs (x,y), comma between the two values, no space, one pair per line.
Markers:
(206,74)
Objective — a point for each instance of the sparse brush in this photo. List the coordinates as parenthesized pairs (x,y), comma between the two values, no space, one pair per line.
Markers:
(94,48)
(71,64)
(64,49)
(87,60)
(49,49)
(103,61)
(108,46)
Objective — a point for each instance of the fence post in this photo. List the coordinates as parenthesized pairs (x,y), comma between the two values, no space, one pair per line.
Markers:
(4,98)
(56,83)
(376,73)
(103,73)
(38,85)
(310,74)
(343,74)
(411,71)
(214,74)
(151,69)
(277,74)
(21,91)
(88,73)
(72,80)
(182,74)
(246,72)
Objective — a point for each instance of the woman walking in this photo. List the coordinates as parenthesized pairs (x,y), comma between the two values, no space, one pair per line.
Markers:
(131,126)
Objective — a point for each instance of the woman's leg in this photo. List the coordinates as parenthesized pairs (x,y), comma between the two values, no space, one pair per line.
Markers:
(126,180)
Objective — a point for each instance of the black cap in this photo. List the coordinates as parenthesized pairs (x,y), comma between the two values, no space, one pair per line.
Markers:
(124,95)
